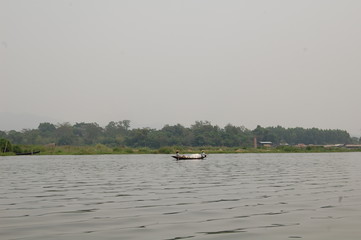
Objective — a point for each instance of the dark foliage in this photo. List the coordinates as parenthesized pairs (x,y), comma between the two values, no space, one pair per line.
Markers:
(201,133)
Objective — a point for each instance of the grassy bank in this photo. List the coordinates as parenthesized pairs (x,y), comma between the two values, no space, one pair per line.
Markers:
(102,149)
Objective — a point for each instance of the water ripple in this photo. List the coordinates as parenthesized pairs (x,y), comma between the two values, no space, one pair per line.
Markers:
(227,196)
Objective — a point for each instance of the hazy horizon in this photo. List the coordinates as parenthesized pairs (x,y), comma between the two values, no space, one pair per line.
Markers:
(247,63)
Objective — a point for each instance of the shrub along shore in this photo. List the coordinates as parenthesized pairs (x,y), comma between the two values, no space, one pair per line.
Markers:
(102,149)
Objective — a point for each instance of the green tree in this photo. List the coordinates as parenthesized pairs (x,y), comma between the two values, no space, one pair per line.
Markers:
(176,135)
(234,136)
(115,133)
(87,133)
(47,133)
(260,133)
(3,134)
(138,137)
(157,139)
(15,137)
(46,129)
(65,134)
(201,133)
(31,136)
(205,134)
(5,146)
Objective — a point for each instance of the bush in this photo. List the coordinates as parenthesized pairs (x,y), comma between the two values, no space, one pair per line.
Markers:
(101,148)
(5,146)
(288,149)
(17,149)
(166,150)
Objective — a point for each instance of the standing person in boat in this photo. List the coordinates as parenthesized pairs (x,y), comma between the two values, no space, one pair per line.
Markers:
(177,154)
(203,154)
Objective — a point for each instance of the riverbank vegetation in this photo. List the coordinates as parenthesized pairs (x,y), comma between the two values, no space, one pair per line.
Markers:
(102,149)
(120,138)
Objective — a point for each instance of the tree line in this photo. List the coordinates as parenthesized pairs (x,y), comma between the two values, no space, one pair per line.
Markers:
(201,133)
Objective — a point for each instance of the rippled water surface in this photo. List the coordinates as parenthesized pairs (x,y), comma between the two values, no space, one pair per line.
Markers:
(227,196)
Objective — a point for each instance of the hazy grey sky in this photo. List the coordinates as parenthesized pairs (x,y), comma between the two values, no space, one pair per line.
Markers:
(270,62)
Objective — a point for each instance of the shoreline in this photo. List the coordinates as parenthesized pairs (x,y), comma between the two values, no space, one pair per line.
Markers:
(100,149)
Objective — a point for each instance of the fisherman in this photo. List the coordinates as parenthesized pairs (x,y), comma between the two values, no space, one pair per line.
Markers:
(203,154)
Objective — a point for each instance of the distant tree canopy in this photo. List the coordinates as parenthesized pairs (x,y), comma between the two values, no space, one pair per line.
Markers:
(300,135)
(201,133)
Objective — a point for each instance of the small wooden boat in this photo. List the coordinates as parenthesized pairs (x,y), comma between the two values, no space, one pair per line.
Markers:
(190,157)
(28,153)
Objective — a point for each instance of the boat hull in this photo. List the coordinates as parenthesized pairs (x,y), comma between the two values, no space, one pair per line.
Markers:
(187,158)
(28,153)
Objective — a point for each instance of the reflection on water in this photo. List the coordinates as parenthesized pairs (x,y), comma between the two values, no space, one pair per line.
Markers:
(227,196)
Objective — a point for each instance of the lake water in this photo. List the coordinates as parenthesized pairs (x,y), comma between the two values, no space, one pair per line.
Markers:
(226,196)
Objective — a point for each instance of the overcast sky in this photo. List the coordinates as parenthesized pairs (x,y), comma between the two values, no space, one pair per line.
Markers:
(248,63)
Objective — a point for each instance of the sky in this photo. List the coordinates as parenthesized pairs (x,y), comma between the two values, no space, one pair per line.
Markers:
(240,62)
